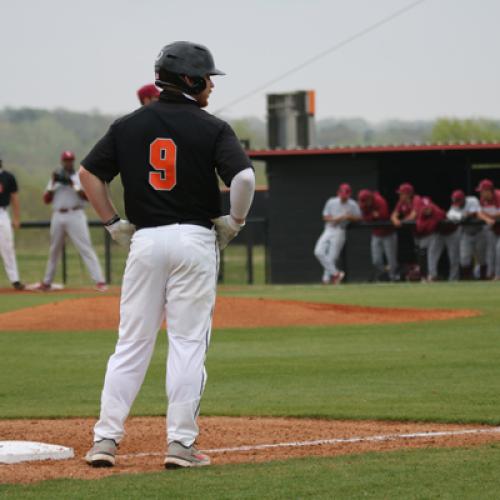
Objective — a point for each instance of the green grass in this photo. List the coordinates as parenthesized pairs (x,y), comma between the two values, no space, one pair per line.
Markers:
(418,474)
(22,300)
(388,372)
(442,371)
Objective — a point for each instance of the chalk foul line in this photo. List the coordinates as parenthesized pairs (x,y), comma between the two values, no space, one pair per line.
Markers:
(319,442)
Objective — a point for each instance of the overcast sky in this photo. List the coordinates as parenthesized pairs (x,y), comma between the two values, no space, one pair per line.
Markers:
(439,59)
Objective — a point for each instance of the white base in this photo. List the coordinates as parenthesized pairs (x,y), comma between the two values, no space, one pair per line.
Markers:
(54,287)
(12,452)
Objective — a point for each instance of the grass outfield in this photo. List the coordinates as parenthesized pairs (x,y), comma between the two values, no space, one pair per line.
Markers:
(444,371)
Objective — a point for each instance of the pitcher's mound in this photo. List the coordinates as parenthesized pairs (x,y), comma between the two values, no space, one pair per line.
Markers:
(102,313)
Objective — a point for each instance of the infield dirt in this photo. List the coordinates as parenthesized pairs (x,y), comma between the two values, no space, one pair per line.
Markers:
(102,313)
(143,448)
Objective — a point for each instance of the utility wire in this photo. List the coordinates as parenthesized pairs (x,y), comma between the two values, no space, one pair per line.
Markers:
(324,53)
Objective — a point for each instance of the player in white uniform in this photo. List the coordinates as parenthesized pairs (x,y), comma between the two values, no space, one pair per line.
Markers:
(168,155)
(465,208)
(9,196)
(337,214)
(68,199)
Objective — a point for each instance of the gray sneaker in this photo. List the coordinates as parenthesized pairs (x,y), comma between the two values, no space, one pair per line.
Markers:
(102,454)
(182,456)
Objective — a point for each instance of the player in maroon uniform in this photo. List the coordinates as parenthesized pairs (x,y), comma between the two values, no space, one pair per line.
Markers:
(489,199)
(428,236)
(384,239)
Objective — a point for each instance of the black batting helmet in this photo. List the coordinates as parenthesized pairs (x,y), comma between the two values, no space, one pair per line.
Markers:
(184,59)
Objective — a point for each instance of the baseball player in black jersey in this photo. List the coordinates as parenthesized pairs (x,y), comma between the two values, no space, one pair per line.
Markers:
(9,196)
(168,155)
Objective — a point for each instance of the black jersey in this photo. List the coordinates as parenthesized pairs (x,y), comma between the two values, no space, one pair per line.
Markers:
(167,155)
(8,185)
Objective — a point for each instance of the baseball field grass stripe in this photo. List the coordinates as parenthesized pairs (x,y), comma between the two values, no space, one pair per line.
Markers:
(427,371)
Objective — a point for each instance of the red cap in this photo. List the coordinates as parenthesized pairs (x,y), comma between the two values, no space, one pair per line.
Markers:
(405,188)
(344,189)
(67,155)
(364,195)
(485,184)
(149,90)
(457,196)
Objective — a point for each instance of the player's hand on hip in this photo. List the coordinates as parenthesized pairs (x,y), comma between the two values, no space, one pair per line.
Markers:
(121,231)
(227,229)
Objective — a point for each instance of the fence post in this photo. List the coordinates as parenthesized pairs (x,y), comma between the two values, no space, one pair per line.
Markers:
(249,242)
(267,253)
(220,278)
(64,265)
(107,255)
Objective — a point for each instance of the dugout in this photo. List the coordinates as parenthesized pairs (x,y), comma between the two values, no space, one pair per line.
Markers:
(301,180)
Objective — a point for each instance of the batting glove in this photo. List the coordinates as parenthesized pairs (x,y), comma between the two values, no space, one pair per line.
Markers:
(227,229)
(121,231)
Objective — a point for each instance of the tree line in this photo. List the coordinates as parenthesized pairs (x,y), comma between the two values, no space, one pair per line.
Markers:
(31,140)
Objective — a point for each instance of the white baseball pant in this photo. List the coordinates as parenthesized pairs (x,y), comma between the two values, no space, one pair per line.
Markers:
(328,248)
(430,243)
(452,244)
(74,224)
(472,245)
(7,246)
(388,246)
(170,270)
(492,252)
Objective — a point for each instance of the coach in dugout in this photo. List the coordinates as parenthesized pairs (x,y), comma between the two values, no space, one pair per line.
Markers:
(384,241)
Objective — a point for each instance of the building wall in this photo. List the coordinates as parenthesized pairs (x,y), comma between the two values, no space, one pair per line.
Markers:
(299,188)
(432,175)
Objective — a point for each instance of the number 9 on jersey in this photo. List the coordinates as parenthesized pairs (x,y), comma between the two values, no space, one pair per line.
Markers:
(163,158)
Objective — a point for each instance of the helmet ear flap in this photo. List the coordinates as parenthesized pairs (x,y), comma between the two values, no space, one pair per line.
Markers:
(165,78)
(199,85)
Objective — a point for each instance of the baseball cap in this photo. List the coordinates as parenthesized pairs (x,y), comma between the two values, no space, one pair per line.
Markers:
(457,196)
(364,195)
(67,155)
(405,188)
(484,185)
(149,90)
(344,189)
